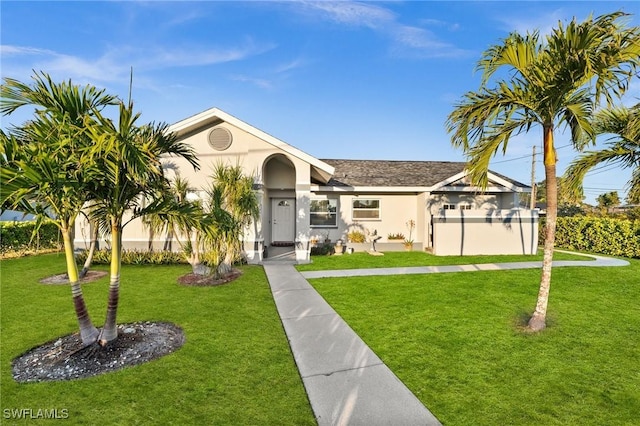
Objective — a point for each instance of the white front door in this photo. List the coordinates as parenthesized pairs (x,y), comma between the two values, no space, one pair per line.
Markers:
(283,220)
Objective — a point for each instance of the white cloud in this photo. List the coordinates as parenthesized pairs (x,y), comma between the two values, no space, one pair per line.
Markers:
(441,24)
(196,56)
(289,66)
(407,39)
(115,63)
(8,50)
(260,82)
(525,22)
(352,13)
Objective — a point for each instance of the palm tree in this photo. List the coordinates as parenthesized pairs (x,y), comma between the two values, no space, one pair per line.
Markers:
(233,192)
(554,81)
(133,182)
(622,149)
(46,166)
(190,224)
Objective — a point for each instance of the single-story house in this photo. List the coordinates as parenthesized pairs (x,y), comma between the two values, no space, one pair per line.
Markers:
(304,199)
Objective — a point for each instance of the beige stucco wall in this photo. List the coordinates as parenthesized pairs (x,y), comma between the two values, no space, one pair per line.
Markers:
(395,211)
(470,232)
(499,200)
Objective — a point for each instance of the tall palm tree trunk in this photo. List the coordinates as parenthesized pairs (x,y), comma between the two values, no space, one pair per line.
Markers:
(152,235)
(92,249)
(110,330)
(538,320)
(168,239)
(88,333)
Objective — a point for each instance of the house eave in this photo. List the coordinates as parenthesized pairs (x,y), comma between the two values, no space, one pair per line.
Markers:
(370,189)
(416,189)
(489,189)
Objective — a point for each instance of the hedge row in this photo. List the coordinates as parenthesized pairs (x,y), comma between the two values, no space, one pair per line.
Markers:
(615,237)
(134,257)
(19,236)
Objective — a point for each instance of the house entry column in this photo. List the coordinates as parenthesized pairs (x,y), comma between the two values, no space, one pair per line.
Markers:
(303,228)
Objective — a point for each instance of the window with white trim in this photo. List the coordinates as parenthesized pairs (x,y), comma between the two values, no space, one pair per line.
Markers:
(365,209)
(324,212)
(465,207)
(449,206)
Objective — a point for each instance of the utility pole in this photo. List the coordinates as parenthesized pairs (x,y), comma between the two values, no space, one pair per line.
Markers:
(533,179)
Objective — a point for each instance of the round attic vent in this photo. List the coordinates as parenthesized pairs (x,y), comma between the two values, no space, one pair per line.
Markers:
(220,138)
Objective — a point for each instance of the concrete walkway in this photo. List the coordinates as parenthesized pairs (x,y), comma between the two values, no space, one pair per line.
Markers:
(346,382)
(599,261)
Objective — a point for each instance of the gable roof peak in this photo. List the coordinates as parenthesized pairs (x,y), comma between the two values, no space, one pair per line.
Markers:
(214,116)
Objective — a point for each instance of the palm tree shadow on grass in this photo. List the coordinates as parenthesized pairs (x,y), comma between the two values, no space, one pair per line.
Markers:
(63,278)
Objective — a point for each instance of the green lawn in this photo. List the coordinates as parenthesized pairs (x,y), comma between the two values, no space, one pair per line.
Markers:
(235,367)
(455,340)
(416,258)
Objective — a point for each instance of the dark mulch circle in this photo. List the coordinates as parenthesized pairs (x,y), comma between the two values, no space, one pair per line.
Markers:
(66,359)
(60,279)
(197,280)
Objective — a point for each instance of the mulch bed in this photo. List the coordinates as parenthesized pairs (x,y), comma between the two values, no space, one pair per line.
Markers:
(60,279)
(66,359)
(198,280)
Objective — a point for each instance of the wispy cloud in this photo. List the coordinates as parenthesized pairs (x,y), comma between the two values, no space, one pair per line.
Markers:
(418,38)
(8,50)
(272,77)
(186,56)
(290,66)
(351,13)
(115,63)
(523,23)
(184,18)
(406,39)
(450,26)
(259,82)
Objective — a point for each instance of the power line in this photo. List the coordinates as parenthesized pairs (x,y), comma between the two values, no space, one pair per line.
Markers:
(525,156)
(603,169)
(593,188)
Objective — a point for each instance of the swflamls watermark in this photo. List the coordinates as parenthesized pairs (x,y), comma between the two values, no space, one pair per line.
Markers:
(35,413)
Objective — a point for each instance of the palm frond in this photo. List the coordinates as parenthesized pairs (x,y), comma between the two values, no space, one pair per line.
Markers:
(56,98)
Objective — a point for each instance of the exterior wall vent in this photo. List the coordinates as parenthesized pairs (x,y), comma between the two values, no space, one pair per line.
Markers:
(220,139)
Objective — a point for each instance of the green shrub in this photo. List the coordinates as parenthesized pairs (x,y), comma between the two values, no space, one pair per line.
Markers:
(19,236)
(322,250)
(356,237)
(134,257)
(615,237)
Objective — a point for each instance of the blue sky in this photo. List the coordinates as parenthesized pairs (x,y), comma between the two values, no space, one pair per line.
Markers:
(357,80)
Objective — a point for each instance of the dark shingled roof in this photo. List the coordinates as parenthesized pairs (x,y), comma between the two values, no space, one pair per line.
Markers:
(385,173)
